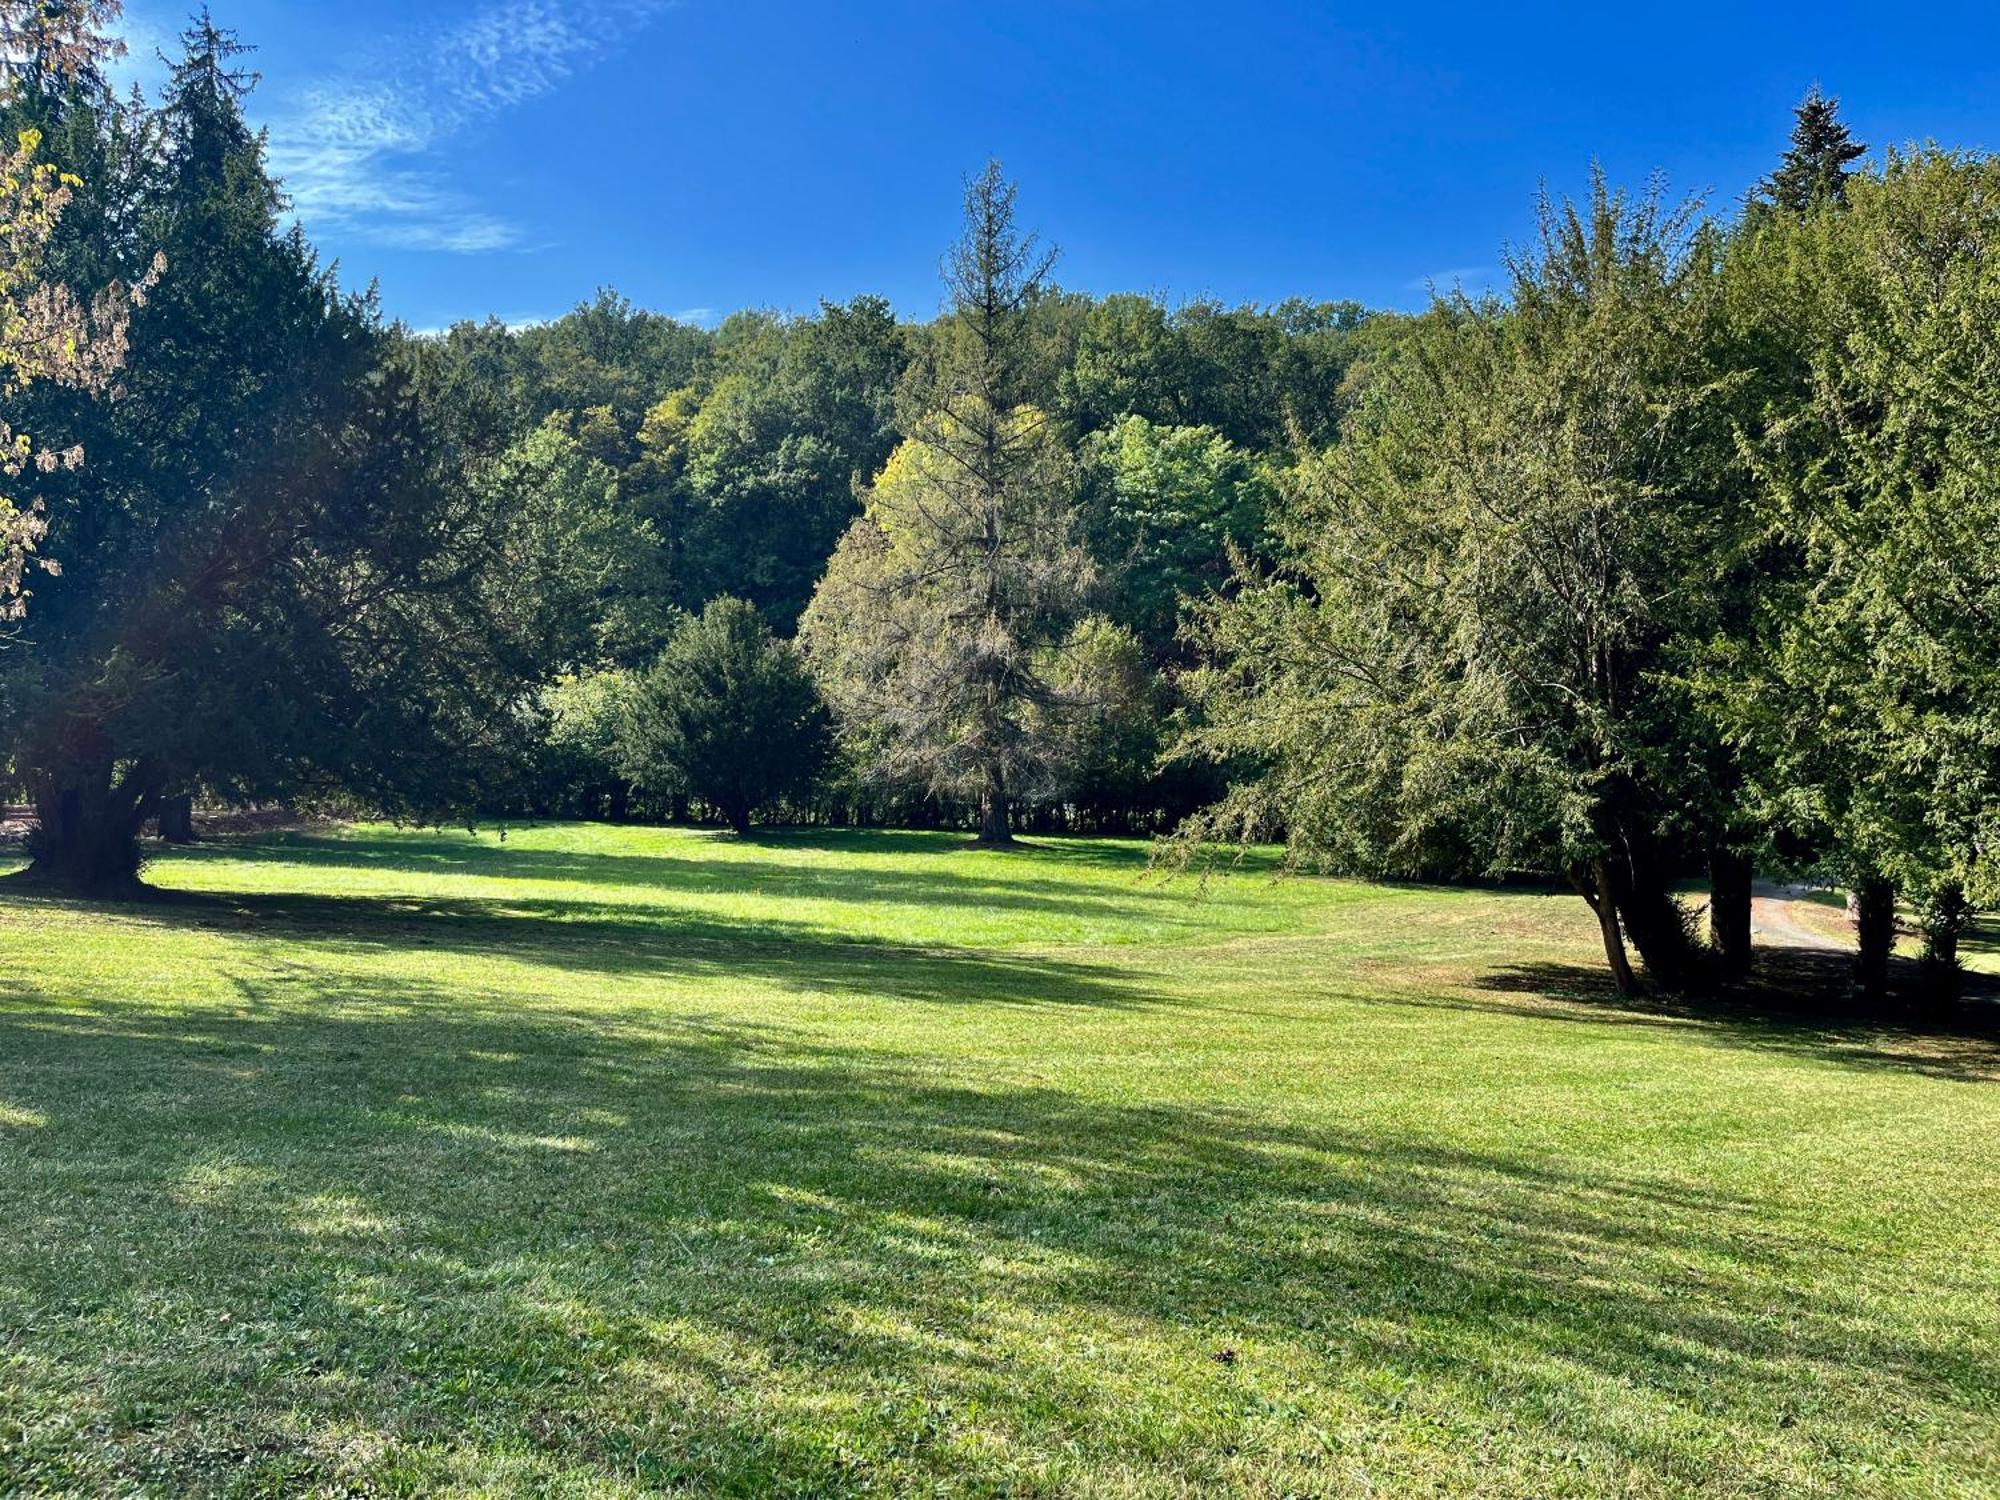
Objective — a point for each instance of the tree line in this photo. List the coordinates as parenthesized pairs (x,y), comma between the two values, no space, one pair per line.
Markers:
(1676,558)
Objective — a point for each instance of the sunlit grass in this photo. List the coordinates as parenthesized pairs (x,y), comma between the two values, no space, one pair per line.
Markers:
(1825,912)
(607,1162)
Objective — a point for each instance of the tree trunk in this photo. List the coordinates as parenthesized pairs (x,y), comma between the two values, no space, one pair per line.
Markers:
(1874,904)
(1730,874)
(621,800)
(1946,916)
(88,821)
(177,819)
(996,830)
(1656,923)
(738,814)
(1602,901)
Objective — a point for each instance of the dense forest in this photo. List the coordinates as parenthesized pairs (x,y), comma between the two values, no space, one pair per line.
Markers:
(1678,560)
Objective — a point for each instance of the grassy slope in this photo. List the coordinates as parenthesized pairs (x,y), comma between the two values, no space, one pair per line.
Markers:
(607,1161)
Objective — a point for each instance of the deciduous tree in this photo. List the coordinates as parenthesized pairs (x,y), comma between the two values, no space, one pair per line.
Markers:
(279,573)
(47,333)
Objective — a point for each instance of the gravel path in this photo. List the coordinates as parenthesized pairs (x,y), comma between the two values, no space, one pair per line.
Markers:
(1773,919)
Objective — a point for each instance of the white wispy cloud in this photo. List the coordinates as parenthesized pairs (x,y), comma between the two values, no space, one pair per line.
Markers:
(149,39)
(366,153)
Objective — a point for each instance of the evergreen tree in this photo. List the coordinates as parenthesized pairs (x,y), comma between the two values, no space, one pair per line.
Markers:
(1470,658)
(941,611)
(728,714)
(276,578)
(1815,166)
(1867,698)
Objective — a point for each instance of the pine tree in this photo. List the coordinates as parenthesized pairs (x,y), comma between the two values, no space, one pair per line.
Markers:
(1815,168)
(1867,690)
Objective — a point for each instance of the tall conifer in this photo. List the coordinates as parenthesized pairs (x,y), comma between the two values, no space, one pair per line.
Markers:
(1815,167)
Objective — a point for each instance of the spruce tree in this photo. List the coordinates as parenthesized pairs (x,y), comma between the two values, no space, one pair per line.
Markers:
(1815,167)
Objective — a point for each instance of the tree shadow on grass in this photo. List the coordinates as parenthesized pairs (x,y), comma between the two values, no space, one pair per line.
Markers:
(625,941)
(1798,1002)
(687,865)
(1092,851)
(411,1232)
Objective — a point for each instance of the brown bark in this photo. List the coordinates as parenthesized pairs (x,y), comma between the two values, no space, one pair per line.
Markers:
(1596,889)
(177,819)
(88,820)
(996,829)
(1655,923)
(1946,915)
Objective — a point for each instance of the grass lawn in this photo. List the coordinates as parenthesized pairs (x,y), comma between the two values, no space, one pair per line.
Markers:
(607,1162)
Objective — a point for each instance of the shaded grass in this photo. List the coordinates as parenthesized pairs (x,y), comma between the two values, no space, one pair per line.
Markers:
(615,1162)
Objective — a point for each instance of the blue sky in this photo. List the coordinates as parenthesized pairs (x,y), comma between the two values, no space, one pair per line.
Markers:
(510,156)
